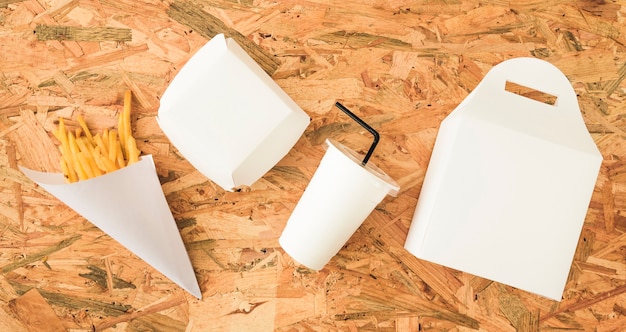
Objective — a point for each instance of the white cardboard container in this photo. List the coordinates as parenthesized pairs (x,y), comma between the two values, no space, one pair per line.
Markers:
(509,182)
(129,205)
(339,197)
(227,117)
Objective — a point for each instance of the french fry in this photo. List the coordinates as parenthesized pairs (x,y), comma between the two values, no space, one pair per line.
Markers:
(85,155)
(92,163)
(98,159)
(66,163)
(62,135)
(127,105)
(105,137)
(100,144)
(133,153)
(74,149)
(83,144)
(74,152)
(82,160)
(113,146)
(94,166)
(68,167)
(87,149)
(83,125)
(103,161)
(128,136)
(68,171)
(109,165)
(118,154)
(64,169)
(121,132)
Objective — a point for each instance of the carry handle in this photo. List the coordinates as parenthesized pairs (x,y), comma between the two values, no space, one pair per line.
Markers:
(532,73)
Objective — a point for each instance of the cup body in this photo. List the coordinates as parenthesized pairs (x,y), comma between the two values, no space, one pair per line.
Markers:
(339,197)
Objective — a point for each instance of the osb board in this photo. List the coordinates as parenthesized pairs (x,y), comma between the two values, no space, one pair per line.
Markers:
(401,65)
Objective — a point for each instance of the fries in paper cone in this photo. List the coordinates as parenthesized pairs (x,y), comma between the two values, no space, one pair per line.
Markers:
(118,191)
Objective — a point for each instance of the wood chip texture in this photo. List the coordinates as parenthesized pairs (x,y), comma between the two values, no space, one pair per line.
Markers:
(401,65)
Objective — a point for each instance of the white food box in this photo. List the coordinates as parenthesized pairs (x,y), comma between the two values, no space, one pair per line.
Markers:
(227,117)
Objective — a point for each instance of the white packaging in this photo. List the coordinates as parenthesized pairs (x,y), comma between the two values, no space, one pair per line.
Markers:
(227,117)
(509,182)
(129,205)
(339,197)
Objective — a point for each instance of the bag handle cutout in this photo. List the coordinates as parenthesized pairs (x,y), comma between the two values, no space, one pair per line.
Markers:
(530,93)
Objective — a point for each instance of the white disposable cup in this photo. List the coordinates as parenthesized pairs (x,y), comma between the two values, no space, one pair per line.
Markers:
(340,196)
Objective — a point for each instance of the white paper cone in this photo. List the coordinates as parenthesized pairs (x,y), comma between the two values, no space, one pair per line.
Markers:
(129,206)
(340,196)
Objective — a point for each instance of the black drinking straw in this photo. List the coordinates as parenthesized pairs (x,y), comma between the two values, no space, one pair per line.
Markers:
(364,125)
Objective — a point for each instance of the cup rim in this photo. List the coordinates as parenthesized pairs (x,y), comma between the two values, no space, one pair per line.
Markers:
(369,167)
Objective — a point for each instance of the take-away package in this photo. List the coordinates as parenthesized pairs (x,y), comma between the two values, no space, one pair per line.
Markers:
(509,182)
(341,195)
(227,117)
(129,205)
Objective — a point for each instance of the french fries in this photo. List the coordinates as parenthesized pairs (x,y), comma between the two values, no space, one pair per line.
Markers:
(85,155)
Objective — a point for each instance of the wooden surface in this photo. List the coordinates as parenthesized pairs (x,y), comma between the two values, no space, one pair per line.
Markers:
(400,65)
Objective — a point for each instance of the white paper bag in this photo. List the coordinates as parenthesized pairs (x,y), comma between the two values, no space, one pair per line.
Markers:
(509,182)
(227,117)
(129,205)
